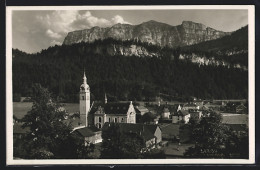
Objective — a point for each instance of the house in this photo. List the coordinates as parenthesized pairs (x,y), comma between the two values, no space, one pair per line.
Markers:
(195,114)
(89,134)
(170,132)
(151,134)
(141,110)
(241,109)
(165,113)
(18,131)
(213,106)
(181,116)
(189,106)
(179,108)
(203,108)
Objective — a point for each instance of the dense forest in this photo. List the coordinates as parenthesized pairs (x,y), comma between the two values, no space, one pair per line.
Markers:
(60,69)
(232,48)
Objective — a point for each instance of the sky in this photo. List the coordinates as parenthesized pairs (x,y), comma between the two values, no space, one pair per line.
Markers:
(34,30)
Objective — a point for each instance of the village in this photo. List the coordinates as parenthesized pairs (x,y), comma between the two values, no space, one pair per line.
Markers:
(162,124)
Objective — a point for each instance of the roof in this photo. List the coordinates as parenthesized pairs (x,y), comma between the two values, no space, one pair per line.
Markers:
(203,107)
(142,108)
(147,131)
(17,128)
(241,106)
(116,108)
(190,105)
(165,110)
(86,131)
(181,113)
(110,108)
(170,129)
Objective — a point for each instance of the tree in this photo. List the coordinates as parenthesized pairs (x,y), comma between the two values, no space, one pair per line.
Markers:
(210,137)
(148,117)
(216,140)
(16,97)
(50,135)
(111,142)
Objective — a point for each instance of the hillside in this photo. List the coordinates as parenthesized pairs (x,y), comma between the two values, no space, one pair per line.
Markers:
(153,32)
(124,74)
(237,40)
(232,48)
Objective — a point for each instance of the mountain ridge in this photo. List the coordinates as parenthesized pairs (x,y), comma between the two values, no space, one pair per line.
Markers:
(152,31)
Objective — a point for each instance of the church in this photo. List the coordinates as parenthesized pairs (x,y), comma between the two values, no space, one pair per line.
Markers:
(97,114)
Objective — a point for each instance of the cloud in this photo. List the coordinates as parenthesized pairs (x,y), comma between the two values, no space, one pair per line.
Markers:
(58,23)
(118,19)
(52,34)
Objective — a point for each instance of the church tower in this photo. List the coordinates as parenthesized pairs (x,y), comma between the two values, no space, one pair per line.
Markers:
(84,100)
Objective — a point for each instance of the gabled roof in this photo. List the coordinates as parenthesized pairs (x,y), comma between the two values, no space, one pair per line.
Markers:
(116,108)
(142,108)
(241,106)
(111,108)
(171,129)
(17,128)
(146,131)
(86,131)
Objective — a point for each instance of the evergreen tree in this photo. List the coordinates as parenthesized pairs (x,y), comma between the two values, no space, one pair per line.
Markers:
(50,135)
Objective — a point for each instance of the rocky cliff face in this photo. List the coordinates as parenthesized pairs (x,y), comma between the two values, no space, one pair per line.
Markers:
(130,50)
(187,33)
(203,60)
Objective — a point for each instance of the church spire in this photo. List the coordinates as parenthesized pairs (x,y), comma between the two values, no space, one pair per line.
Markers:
(84,78)
(105,98)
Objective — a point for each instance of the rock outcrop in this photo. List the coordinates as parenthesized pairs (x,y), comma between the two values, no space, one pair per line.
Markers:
(162,34)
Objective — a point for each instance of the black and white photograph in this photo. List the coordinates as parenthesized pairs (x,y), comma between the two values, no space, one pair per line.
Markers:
(139,84)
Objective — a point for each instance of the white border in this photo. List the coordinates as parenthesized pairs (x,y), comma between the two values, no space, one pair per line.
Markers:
(251,87)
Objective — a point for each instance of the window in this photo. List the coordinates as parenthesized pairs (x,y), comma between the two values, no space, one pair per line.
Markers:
(99,119)
(99,125)
(109,119)
(115,120)
(83,97)
(122,120)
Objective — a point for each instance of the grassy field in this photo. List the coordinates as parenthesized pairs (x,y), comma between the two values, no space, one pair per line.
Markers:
(21,108)
(230,118)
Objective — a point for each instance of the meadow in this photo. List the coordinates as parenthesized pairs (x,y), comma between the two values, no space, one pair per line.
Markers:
(21,108)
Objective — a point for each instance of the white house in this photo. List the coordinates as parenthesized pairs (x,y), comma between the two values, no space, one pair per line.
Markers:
(181,116)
